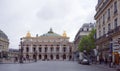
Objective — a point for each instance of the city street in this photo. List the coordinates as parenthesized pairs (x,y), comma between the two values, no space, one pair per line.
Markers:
(53,66)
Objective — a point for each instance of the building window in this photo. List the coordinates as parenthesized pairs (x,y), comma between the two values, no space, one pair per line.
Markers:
(57,56)
(115,23)
(40,56)
(99,33)
(45,49)
(109,27)
(27,49)
(103,30)
(57,49)
(108,14)
(115,7)
(51,49)
(70,50)
(40,49)
(64,49)
(34,49)
(87,29)
(103,19)
(82,29)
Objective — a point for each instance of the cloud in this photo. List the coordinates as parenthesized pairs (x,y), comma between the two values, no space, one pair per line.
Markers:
(37,16)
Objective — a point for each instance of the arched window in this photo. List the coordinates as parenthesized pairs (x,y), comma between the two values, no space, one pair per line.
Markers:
(64,49)
(40,49)
(51,49)
(57,56)
(27,56)
(70,50)
(34,49)
(57,49)
(45,57)
(46,49)
(40,57)
(70,57)
(27,49)
(64,56)
(51,56)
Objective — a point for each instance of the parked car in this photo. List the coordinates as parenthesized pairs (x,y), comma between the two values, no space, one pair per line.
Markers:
(84,62)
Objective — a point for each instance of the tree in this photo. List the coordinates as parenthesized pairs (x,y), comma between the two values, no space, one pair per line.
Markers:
(87,42)
(92,38)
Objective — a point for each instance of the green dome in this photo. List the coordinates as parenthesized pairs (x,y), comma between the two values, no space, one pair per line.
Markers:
(3,35)
(51,33)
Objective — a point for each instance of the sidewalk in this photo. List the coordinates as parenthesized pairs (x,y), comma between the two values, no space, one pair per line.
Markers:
(107,66)
(9,62)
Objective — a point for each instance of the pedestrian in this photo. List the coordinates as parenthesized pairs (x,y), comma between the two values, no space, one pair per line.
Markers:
(24,59)
(15,59)
(100,59)
(110,60)
(106,61)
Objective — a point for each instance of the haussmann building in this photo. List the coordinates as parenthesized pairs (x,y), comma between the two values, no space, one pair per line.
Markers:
(108,28)
(4,44)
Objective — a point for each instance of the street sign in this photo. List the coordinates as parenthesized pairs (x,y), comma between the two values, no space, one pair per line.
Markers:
(119,40)
(116,46)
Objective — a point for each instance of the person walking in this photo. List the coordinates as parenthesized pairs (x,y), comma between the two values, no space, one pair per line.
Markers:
(110,60)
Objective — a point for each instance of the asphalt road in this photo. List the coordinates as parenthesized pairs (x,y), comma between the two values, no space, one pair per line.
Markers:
(53,66)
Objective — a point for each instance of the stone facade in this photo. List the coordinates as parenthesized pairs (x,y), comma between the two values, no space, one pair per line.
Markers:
(107,25)
(4,44)
(49,46)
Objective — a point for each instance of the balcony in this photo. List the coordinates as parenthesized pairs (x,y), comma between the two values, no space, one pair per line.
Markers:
(117,29)
(110,34)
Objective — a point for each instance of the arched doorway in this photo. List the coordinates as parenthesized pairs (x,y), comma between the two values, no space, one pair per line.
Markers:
(27,57)
(45,57)
(39,56)
(34,56)
(57,57)
(51,56)
(70,57)
(64,57)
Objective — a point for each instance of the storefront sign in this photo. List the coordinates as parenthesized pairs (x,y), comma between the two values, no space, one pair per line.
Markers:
(116,46)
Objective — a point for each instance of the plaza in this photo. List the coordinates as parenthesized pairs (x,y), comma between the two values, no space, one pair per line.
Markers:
(53,66)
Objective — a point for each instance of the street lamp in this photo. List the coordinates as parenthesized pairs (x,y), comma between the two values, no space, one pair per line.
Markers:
(111,51)
(21,52)
(0,51)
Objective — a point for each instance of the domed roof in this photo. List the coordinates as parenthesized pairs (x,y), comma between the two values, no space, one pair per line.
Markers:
(28,34)
(51,33)
(3,35)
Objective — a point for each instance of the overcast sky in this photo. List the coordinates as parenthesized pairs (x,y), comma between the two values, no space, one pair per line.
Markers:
(17,17)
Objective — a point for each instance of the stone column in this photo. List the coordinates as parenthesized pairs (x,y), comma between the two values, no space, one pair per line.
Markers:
(43,49)
(60,55)
(54,57)
(60,49)
(42,55)
(24,49)
(48,49)
(31,50)
(54,49)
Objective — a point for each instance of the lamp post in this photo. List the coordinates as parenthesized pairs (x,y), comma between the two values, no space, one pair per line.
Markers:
(21,52)
(111,52)
(0,53)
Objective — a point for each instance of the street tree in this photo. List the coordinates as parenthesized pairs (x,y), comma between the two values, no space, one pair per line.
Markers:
(87,42)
